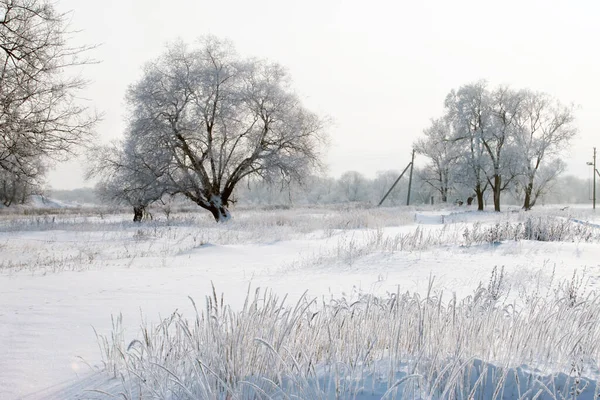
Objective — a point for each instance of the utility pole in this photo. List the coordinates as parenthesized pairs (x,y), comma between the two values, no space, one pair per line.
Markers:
(412,163)
(393,186)
(594,173)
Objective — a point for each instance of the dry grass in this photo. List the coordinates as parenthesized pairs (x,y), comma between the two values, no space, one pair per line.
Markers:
(400,346)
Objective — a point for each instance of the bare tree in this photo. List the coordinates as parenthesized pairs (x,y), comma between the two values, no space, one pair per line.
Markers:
(545,127)
(469,113)
(498,140)
(443,152)
(221,118)
(40,117)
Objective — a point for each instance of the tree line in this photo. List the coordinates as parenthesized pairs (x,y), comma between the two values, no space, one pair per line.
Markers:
(354,187)
(351,187)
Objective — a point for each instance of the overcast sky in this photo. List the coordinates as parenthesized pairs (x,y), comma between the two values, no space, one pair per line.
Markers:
(379,69)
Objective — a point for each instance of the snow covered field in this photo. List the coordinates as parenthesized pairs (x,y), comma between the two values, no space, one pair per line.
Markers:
(66,277)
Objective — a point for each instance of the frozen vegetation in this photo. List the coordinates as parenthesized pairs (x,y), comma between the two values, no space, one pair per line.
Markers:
(315,303)
(335,301)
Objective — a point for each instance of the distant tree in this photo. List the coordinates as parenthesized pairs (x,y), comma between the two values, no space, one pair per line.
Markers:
(313,189)
(383,182)
(221,118)
(568,189)
(443,152)
(350,187)
(85,195)
(40,118)
(353,186)
(545,128)
(319,190)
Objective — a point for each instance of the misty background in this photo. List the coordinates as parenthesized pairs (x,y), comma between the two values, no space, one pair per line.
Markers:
(380,71)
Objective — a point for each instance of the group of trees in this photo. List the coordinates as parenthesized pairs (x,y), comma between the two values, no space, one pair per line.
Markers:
(350,187)
(201,119)
(353,187)
(40,119)
(496,139)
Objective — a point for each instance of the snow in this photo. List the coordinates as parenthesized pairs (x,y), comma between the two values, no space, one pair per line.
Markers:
(58,285)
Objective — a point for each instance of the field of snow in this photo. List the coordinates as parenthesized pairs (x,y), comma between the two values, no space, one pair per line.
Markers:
(315,302)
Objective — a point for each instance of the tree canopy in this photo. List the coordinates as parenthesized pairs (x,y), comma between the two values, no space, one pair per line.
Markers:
(203,118)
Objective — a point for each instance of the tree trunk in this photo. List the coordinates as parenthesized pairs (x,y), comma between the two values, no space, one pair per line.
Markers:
(479,194)
(220,214)
(218,208)
(527,204)
(496,190)
(445,188)
(138,213)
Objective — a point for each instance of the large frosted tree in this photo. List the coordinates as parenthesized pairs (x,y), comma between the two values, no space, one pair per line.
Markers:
(221,118)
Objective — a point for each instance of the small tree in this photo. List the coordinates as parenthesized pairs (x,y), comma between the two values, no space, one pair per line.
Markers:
(443,152)
(220,118)
(40,118)
(126,178)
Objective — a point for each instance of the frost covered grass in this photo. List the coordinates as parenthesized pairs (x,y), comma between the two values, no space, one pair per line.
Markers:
(401,346)
(351,247)
(303,219)
(80,241)
(251,221)
(64,241)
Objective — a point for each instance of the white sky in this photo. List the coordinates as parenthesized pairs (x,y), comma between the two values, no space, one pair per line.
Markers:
(379,69)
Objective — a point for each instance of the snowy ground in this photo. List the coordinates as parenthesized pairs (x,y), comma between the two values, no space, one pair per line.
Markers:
(62,277)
